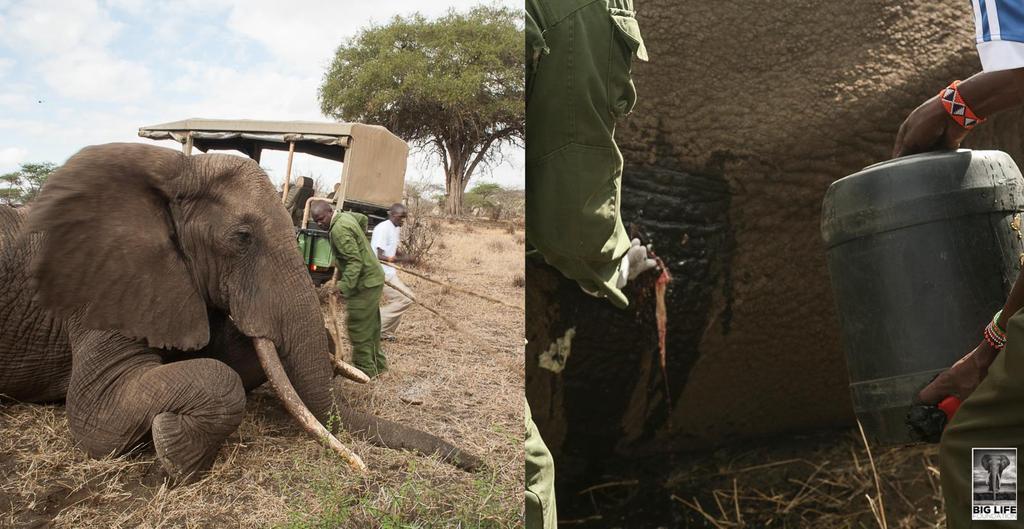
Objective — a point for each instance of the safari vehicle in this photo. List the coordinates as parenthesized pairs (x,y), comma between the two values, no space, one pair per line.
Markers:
(373,162)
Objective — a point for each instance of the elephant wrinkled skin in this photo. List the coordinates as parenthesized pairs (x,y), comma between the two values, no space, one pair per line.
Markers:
(134,289)
(744,117)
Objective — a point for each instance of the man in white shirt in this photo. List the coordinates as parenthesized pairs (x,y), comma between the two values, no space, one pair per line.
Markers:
(396,297)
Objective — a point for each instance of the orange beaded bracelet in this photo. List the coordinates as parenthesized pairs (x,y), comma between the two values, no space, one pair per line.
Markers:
(957,109)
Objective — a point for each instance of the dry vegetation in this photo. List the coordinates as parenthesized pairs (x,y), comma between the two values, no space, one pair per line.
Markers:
(270,474)
(818,481)
(834,486)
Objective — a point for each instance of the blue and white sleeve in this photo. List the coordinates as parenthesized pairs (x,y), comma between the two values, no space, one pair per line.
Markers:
(999,32)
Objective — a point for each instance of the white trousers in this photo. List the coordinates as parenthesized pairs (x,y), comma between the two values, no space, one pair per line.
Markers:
(395,300)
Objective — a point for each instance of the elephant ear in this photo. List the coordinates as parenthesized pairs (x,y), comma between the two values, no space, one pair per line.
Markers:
(109,252)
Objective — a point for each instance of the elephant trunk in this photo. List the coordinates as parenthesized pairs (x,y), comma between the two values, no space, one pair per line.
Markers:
(271,363)
(292,346)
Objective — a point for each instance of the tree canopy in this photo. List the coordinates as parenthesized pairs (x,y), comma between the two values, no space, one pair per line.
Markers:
(453,85)
(496,201)
(22,186)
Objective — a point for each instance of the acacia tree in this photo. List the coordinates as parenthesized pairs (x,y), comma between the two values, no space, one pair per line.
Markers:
(453,85)
(22,186)
(10,193)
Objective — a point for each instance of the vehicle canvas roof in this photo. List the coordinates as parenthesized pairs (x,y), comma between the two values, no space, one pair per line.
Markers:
(254,125)
(375,173)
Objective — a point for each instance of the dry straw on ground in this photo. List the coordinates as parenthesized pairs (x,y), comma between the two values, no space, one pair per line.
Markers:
(834,483)
(270,474)
(824,480)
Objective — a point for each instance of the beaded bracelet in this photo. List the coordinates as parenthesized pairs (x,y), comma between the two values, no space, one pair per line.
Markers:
(995,336)
(995,324)
(954,104)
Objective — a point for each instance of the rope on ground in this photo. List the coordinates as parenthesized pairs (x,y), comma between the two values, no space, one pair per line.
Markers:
(455,288)
(454,326)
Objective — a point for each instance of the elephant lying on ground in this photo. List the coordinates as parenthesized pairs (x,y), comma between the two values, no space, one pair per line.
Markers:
(151,290)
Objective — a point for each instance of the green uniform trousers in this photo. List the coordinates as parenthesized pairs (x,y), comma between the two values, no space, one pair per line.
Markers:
(992,417)
(578,85)
(540,480)
(363,308)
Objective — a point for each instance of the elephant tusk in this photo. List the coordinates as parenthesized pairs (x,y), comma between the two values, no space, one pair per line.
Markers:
(348,371)
(271,362)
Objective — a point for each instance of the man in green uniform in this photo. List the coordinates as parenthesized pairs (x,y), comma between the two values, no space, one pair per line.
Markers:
(361,282)
(578,85)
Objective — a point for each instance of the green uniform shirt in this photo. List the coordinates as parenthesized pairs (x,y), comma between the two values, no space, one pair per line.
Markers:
(358,266)
(578,59)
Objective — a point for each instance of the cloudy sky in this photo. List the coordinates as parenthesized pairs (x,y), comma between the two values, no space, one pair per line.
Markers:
(76,73)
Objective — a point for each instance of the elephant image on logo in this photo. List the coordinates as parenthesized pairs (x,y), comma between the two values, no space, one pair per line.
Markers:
(995,464)
(995,484)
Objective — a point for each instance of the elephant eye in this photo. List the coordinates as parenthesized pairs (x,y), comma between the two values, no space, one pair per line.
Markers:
(242,236)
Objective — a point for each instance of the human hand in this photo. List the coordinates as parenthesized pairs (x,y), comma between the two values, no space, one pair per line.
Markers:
(639,262)
(928,128)
(634,263)
(963,378)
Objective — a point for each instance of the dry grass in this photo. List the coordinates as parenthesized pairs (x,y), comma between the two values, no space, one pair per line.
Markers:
(838,485)
(817,481)
(270,474)
(496,245)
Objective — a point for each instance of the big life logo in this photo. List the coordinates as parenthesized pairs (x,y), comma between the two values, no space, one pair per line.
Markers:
(994,473)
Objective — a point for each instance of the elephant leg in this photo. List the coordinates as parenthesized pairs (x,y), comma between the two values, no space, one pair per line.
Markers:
(190,406)
(205,406)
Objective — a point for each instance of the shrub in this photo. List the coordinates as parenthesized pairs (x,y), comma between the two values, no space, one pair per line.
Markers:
(421,241)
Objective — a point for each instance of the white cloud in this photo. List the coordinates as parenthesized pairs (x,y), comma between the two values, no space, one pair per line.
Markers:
(14,100)
(304,34)
(135,7)
(16,96)
(69,45)
(11,157)
(271,57)
(97,75)
(214,91)
(48,27)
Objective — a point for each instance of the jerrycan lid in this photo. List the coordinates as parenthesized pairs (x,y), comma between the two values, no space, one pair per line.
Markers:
(919,189)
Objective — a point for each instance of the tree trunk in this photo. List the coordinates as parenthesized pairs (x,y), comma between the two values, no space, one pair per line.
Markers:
(453,199)
(455,184)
